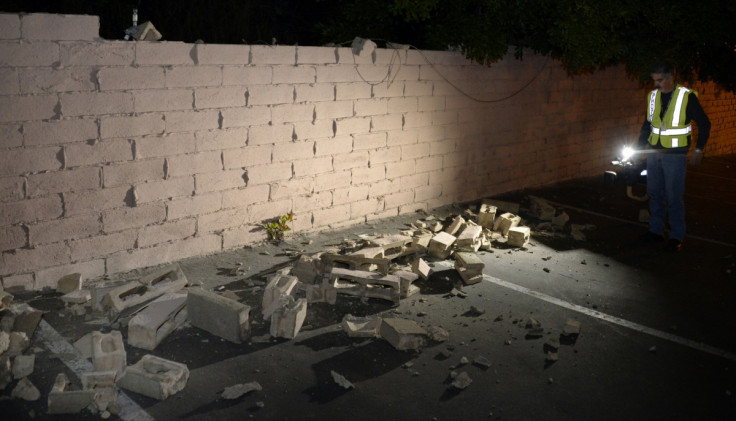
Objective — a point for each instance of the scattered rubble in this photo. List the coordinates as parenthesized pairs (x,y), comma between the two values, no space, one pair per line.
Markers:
(342,381)
(155,377)
(238,390)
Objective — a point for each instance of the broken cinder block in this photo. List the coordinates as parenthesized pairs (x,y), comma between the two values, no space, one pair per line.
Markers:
(469,238)
(469,266)
(324,292)
(278,286)
(220,316)
(69,283)
(505,222)
(155,322)
(441,245)
(361,327)
(155,377)
(486,215)
(62,401)
(108,351)
(288,319)
(168,279)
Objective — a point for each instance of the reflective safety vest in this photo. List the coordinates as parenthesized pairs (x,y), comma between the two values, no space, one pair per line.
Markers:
(672,130)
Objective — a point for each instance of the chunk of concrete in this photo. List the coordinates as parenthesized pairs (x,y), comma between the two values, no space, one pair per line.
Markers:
(462,381)
(25,390)
(373,285)
(440,246)
(69,283)
(361,327)
(354,262)
(6,373)
(486,215)
(341,380)
(108,351)
(539,208)
(6,298)
(421,268)
(307,269)
(62,401)
(27,318)
(438,334)
(502,205)
(238,390)
(469,266)
(168,279)
(287,320)
(322,293)
(155,322)
(19,342)
(218,315)
(561,220)
(519,236)
(469,238)
(79,296)
(102,382)
(403,334)
(407,279)
(392,245)
(505,222)
(457,224)
(155,377)
(278,286)
(4,342)
(23,365)
(84,346)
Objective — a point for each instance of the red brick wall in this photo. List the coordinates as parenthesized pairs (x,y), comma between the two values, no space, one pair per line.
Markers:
(119,155)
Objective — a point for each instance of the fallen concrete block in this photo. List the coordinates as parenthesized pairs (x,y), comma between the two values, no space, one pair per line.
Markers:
(361,327)
(435,226)
(23,365)
(4,342)
(370,253)
(6,373)
(69,283)
(99,291)
(324,292)
(155,377)
(341,380)
(469,266)
(307,269)
(462,381)
(18,343)
(62,401)
(218,315)
(572,327)
(403,334)
(407,279)
(375,285)
(505,222)
(278,286)
(519,236)
(168,279)
(155,322)
(392,245)
(486,215)
(353,262)
(79,296)
(108,351)
(102,382)
(421,268)
(457,224)
(441,245)
(27,318)
(420,241)
(25,390)
(438,334)
(288,319)
(469,238)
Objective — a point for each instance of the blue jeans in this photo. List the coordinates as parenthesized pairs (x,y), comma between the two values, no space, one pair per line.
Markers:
(665,187)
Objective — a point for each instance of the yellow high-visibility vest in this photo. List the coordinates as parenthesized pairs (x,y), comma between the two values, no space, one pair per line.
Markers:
(672,130)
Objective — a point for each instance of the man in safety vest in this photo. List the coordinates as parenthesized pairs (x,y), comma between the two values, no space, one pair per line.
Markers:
(666,133)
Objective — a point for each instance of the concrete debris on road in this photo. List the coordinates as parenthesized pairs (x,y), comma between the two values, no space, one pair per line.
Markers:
(342,381)
(238,390)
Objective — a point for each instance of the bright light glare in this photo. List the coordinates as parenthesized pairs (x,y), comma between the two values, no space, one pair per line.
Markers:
(626,153)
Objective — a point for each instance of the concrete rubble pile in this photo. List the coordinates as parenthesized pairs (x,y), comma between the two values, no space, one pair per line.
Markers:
(376,267)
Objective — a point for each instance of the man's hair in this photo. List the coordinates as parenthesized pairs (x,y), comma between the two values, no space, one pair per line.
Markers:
(662,67)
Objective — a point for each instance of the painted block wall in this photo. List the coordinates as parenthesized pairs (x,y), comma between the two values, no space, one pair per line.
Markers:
(120,155)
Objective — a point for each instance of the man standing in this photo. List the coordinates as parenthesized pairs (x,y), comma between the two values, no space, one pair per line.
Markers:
(666,133)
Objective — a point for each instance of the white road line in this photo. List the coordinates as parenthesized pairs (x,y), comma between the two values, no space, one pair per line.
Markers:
(130,411)
(615,320)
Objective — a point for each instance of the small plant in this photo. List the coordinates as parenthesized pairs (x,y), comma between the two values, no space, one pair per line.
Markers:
(277,228)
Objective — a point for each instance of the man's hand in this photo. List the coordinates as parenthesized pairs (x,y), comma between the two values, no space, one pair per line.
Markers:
(696,157)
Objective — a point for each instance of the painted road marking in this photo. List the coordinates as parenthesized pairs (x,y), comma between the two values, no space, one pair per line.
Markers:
(130,411)
(615,320)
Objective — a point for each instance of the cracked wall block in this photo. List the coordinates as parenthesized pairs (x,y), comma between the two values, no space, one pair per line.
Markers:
(168,279)
(361,327)
(440,246)
(278,286)
(155,377)
(220,316)
(456,225)
(62,401)
(486,215)
(69,283)
(288,319)
(108,351)
(155,322)
(505,222)
(403,334)
(519,236)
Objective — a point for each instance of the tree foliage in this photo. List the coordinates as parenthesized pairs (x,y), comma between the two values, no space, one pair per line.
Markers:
(699,38)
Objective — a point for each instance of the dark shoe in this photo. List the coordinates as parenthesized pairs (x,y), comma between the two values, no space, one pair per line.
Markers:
(673,246)
(651,238)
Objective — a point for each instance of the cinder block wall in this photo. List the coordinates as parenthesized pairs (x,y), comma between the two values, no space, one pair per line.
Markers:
(119,155)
